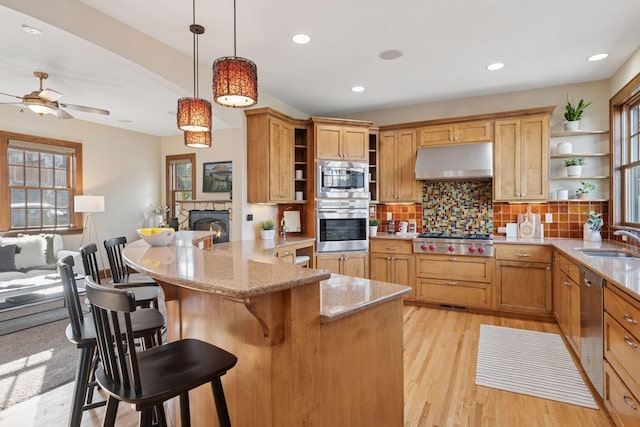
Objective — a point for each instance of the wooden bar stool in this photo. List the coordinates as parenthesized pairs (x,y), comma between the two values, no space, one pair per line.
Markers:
(119,270)
(148,378)
(146,324)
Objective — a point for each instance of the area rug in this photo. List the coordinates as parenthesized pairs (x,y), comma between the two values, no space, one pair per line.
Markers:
(527,362)
(21,323)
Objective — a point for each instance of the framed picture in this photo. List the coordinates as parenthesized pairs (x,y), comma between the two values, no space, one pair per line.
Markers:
(217,177)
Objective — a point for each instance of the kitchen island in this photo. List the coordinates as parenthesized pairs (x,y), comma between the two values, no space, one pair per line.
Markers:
(311,351)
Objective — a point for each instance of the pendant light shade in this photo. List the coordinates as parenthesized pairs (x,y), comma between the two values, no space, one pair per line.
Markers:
(197,139)
(235,82)
(194,114)
(235,79)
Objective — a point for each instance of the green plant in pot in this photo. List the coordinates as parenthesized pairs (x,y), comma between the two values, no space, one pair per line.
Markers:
(584,189)
(373,227)
(574,166)
(573,113)
(593,226)
(268,229)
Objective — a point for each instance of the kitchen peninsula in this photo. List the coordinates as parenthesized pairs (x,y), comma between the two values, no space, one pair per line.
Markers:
(311,351)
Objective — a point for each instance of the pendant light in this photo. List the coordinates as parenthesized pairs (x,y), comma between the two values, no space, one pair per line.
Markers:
(197,139)
(194,114)
(235,79)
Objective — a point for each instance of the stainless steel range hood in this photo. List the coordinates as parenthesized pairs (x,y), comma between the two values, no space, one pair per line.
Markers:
(455,162)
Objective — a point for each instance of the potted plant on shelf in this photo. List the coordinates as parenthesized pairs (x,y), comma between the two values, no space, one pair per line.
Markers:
(267,229)
(573,114)
(585,188)
(373,227)
(574,166)
(593,226)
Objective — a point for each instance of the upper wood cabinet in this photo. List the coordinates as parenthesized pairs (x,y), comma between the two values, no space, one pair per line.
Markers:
(270,156)
(455,133)
(341,139)
(521,159)
(397,158)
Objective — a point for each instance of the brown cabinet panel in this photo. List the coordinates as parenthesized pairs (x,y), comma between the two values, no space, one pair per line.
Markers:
(524,253)
(456,133)
(451,292)
(523,287)
(388,246)
(623,405)
(354,264)
(474,269)
(622,351)
(626,313)
(337,142)
(397,157)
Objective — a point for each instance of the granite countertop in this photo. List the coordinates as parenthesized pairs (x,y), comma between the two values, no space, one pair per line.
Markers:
(254,270)
(623,273)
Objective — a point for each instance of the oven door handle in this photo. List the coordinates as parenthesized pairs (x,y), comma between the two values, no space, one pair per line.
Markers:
(343,211)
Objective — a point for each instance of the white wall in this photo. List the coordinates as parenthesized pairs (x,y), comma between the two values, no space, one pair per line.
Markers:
(119,164)
(625,73)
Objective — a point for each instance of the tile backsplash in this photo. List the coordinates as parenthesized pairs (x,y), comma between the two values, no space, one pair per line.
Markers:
(462,207)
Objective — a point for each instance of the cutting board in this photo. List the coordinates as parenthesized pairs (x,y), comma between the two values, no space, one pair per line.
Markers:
(528,224)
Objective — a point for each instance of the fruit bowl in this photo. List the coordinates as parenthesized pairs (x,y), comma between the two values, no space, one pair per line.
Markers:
(157,236)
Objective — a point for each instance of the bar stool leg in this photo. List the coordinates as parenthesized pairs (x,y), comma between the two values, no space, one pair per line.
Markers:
(110,412)
(80,387)
(185,419)
(221,403)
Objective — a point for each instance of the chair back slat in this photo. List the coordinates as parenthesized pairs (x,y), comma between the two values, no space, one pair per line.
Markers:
(118,267)
(72,300)
(90,261)
(112,316)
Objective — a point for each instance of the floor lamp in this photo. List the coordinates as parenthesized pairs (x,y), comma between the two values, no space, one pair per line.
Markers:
(89,205)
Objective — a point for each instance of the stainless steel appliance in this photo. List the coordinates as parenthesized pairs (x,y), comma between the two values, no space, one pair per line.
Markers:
(473,244)
(343,180)
(456,161)
(591,327)
(342,225)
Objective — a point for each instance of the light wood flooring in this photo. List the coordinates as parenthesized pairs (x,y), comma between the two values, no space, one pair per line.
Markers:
(440,359)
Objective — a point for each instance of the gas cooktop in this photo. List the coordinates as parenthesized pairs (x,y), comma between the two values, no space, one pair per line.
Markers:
(466,236)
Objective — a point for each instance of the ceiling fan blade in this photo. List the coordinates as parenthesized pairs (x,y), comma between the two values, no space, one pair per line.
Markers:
(61,114)
(8,94)
(85,109)
(10,103)
(50,95)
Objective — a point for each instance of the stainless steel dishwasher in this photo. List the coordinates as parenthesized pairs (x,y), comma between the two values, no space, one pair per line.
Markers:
(591,327)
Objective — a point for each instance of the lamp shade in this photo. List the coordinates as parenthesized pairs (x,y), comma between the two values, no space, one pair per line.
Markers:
(88,203)
(235,82)
(194,114)
(197,139)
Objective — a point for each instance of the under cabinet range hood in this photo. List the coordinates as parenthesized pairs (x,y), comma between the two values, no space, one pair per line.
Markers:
(455,162)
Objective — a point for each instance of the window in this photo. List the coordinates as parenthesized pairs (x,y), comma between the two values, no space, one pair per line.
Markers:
(625,119)
(40,180)
(180,177)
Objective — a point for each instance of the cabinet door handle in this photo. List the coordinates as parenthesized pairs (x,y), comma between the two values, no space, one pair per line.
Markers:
(629,319)
(452,283)
(452,259)
(629,401)
(630,343)
(391,248)
(587,282)
(566,283)
(523,255)
(517,194)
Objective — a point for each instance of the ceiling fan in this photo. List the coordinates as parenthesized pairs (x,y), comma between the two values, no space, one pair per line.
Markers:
(45,101)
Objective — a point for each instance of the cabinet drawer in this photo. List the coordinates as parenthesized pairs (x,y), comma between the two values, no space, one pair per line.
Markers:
(623,406)
(471,269)
(391,246)
(569,268)
(468,294)
(622,351)
(626,313)
(524,253)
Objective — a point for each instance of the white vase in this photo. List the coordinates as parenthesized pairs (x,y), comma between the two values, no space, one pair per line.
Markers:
(586,232)
(595,236)
(564,147)
(575,170)
(373,230)
(572,125)
(267,234)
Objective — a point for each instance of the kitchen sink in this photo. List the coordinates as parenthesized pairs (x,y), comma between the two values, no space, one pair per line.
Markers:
(609,253)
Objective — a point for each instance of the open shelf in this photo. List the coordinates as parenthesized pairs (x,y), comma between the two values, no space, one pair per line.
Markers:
(564,133)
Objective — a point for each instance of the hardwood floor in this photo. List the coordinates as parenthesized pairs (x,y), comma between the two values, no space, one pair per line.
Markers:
(439,374)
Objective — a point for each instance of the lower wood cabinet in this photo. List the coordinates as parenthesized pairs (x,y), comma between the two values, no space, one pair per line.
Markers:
(566,298)
(463,281)
(392,261)
(523,279)
(622,354)
(354,264)
(287,254)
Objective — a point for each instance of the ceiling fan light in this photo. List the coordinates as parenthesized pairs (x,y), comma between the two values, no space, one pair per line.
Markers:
(40,109)
(235,82)
(194,114)
(197,139)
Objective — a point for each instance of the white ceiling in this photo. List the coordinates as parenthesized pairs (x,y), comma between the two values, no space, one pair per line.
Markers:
(134,58)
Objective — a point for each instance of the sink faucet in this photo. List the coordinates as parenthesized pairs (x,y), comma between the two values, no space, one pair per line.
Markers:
(626,233)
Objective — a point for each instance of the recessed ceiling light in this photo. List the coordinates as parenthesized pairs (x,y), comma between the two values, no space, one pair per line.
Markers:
(357,89)
(125,121)
(597,57)
(31,30)
(301,39)
(495,66)
(390,54)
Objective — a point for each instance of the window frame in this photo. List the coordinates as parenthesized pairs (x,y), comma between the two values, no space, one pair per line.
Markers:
(169,199)
(76,223)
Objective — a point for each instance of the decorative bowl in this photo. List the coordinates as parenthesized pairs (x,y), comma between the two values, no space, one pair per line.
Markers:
(157,236)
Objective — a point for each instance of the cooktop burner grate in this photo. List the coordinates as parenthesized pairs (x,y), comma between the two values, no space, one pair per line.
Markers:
(466,236)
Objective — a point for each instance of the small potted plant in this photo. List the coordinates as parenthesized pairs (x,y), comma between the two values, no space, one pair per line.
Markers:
(574,166)
(573,114)
(267,229)
(373,227)
(593,226)
(584,189)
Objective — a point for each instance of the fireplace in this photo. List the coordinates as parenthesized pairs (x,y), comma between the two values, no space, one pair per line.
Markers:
(216,221)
